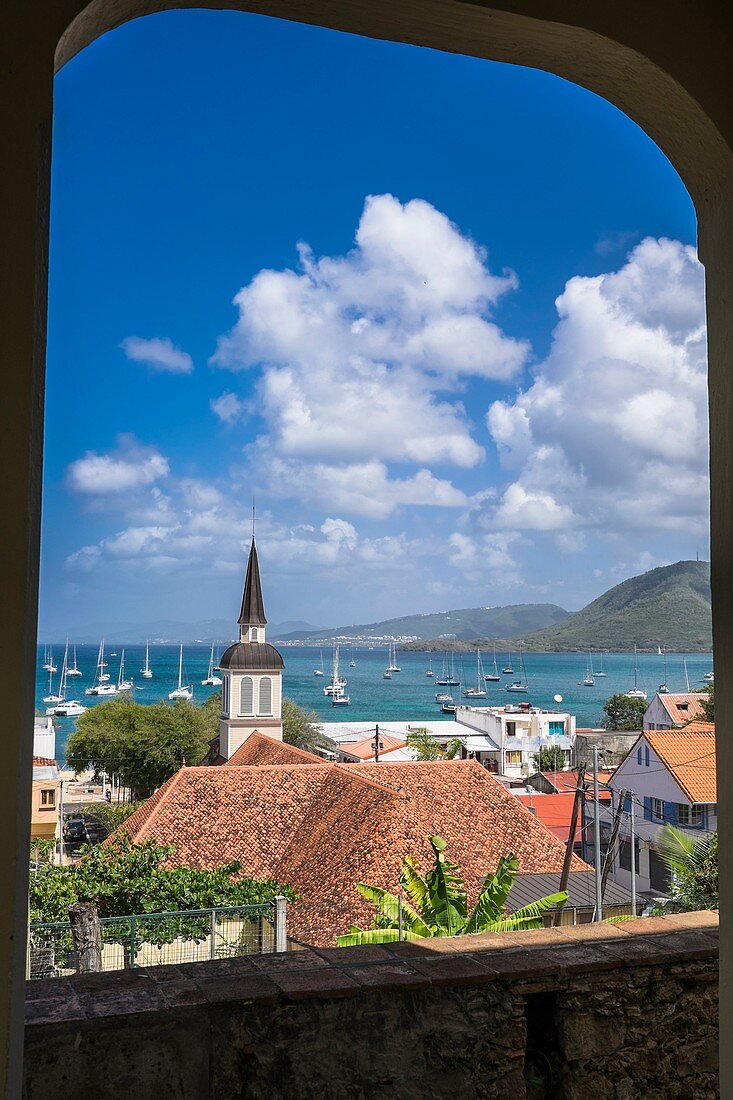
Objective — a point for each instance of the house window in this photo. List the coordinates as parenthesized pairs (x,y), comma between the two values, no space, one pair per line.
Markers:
(254,635)
(556,729)
(689,817)
(246,696)
(646,755)
(514,757)
(658,809)
(265,706)
(48,798)
(511,729)
(225,696)
(638,756)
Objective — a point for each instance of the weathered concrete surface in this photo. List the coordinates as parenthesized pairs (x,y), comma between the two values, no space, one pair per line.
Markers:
(608,1012)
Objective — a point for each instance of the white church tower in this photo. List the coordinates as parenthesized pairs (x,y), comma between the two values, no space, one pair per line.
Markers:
(251,693)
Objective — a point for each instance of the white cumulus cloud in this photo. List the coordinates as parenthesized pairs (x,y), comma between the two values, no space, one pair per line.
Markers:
(130,467)
(160,354)
(227,407)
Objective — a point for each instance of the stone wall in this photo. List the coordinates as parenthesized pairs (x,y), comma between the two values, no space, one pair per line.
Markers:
(596,1011)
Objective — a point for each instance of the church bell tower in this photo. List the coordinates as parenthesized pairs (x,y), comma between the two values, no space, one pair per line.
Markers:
(251,694)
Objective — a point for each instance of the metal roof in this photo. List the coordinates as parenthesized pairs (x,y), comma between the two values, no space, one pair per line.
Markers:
(581,891)
(257,656)
(253,606)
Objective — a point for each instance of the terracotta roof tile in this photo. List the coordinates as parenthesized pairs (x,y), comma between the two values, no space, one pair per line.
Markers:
(260,749)
(364,751)
(568,780)
(683,707)
(689,754)
(44,762)
(554,811)
(322,828)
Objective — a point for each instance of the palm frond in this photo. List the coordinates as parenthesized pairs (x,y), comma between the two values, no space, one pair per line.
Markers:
(535,909)
(447,891)
(415,885)
(493,894)
(356,937)
(388,905)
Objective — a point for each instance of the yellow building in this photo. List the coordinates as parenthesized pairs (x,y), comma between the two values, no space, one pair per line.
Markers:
(45,799)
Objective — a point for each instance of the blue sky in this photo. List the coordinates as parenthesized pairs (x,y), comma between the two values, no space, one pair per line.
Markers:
(422,424)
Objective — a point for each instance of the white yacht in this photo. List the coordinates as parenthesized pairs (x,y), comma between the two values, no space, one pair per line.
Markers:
(211,680)
(589,679)
(183,691)
(478,692)
(393,666)
(319,671)
(122,683)
(74,669)
(492,677)
(352,662)
(147,672)
(600,671)
(430,672)
(338,696)
(635,692)
(51,697)
(447,677)
(65,708)
(663,689)
(520,686)
(48,664)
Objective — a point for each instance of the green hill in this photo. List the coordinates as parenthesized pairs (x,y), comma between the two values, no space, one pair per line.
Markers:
(465,623)
(669,606)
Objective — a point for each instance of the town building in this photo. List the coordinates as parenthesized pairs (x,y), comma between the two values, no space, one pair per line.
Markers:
(506,739)
(322,827)
(668,710)
(671,775)
(45,798)
(44,737)
(251,672)
(612,746)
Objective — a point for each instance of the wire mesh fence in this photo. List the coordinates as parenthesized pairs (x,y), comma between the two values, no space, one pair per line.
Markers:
(152,939)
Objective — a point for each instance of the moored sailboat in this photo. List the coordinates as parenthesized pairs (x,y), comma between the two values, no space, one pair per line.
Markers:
(146,672)
(635,692)
(211,680)
(492,677)
(478,692)
(183,691)
(521,685)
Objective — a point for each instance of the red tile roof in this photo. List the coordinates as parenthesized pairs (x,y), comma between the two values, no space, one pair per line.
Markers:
(44,762)
(364,751)
(262,750)
(568,781)
(554,811)
(322,828)
(689,754)
(683,707)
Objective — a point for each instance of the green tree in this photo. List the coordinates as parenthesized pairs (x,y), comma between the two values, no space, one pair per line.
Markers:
(300,729)
(111,814)
(425,746)
(693,864)
(438,903)
(550,758)
(623,713)
(142,745)
(122,877)
(707,703)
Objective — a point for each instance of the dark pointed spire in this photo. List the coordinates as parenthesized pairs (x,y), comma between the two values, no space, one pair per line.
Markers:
(253,606)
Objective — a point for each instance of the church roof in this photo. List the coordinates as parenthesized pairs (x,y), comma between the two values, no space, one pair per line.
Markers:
(253,606)
(257,656)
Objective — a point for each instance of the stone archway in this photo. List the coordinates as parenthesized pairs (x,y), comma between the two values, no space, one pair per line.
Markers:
(666,66)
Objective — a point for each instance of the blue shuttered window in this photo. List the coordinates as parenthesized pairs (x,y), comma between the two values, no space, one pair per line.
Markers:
(647,808)
(670,813)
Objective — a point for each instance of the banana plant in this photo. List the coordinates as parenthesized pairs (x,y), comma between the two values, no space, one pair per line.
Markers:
(438,903)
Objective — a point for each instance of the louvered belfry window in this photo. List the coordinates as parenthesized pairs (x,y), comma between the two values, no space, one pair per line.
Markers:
(265,706)
(246,696)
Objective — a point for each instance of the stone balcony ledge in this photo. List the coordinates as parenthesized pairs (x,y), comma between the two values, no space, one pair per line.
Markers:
(472,1010)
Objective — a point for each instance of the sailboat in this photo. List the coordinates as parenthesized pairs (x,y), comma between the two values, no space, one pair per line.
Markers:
(448,675)
(74,670)
(429,671)
(338,698)
(663,689)
(393,666)
(319,671)
(211,680)
(122,683)
(687,678)
(635,692)
(338,683)
(66,708)
(183,691)
(48,664)
(520,685)
(588,679)
(51,698)
(147,672)
(101,678)
(492,676)
(508,670)
(600,671)
(478,692)
(352,662)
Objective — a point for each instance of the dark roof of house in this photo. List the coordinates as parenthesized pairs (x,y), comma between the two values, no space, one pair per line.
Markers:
(581,890)
(321,828)
(258,656)
(253,605)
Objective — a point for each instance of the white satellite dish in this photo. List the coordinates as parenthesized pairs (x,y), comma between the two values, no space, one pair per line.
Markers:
(558,698)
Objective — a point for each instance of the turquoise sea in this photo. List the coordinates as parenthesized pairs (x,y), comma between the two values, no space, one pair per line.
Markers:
(409,695)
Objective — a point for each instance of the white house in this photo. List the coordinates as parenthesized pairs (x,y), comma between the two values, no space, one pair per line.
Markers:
(670,774)
(44,737)
(506,738)
(671,710)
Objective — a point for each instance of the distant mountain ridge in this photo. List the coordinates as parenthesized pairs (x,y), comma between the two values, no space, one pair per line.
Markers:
(218,631)
(464,623)
(668,606)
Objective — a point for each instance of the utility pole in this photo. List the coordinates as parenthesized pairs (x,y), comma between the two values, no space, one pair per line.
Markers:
(612,842)
(61,822)
(375,746)
(598,913)
(577,802)
(632,831)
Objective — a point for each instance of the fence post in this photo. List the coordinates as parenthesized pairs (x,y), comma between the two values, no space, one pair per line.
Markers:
(133,941)
(87,937)
(281,923)
(212,933)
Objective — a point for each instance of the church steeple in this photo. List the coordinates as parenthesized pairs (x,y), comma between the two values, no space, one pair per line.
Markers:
(253,605)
